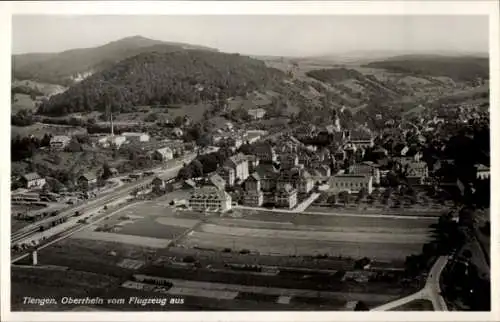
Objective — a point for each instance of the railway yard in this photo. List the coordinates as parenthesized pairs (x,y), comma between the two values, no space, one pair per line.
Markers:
(249,259)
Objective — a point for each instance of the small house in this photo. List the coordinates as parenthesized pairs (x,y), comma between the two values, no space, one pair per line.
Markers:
(32,180)
(87,181)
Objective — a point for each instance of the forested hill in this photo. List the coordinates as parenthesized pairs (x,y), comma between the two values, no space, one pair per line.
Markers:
(159,78)
(62,68)
(457,68)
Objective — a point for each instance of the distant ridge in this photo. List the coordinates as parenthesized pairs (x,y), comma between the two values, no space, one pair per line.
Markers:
(66,67)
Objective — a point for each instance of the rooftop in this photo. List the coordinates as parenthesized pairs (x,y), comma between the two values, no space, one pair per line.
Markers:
(31,176)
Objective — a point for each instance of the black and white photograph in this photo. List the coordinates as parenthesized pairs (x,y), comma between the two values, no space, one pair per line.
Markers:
(249,162)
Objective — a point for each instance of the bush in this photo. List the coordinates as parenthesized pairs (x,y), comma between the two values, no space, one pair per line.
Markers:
(189,259)
(245,251)
(227,250)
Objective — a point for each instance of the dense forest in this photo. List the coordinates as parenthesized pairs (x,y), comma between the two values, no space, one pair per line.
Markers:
(457,68)
(334,75)
(158,78)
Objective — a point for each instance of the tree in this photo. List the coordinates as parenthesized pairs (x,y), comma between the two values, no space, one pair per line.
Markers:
(197,168)
(363,192)
(344,196)
(332,199)
(74,146)
(106,171)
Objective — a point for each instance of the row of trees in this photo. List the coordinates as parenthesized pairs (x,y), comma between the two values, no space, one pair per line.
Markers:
(204,164)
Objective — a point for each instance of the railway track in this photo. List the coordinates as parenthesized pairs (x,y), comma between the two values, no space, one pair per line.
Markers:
(121,192)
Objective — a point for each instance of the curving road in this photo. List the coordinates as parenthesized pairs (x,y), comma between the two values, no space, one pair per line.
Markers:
(431,290)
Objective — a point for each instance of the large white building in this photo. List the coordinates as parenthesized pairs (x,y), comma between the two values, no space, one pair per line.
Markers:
(163,154)
(351,183)
(209,199)
(239,163)
(254,197)
(111,141)
(32,180)
(482,172)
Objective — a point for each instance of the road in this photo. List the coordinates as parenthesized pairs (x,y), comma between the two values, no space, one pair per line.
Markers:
(101,201)
(431,290)
(306,203)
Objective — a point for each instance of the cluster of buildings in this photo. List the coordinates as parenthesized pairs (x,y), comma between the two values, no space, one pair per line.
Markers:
(234,139)
(270,175)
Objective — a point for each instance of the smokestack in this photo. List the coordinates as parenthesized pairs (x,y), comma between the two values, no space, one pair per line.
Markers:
(111,123)
(34,258)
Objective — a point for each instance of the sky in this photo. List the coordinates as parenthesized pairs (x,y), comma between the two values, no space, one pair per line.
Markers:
(259,35)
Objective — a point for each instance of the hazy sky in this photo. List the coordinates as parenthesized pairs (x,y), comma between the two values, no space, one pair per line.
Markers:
(259,35)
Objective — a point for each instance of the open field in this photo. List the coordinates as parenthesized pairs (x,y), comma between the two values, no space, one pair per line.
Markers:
(149,224)
(333,234)
(22,102)
(385,239)
(284,247)
(333,220)
(124,239)
(433,211)
(39,130)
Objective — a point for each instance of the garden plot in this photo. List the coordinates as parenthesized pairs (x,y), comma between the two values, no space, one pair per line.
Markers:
(359,235)
(124,239)
(305,247)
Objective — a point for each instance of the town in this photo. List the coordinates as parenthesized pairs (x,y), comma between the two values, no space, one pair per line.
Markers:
(231,182)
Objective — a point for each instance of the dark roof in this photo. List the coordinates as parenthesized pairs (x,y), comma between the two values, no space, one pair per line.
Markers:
(156,179)
(255,176)
(88,176)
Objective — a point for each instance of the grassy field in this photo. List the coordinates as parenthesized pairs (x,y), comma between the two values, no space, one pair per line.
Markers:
(385,239)
(39,130)
(152,224)
(22,102)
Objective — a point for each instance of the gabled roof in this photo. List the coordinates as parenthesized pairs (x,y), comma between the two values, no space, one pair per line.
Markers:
(31,176)
(164,151)
(190,182)
(88,176)
(482,167)
(217,181)
(254,176)
(209,193)
(237,159)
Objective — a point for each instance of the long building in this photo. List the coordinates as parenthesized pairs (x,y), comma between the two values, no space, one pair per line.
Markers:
(351,183)
(366,168)
(209,199)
